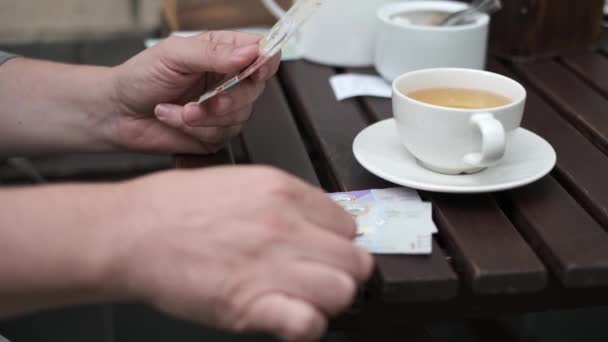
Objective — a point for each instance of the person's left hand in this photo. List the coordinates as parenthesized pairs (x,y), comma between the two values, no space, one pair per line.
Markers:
(157,92)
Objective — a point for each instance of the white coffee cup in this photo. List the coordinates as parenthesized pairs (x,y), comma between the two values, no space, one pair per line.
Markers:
(341,32)
(403,47)
(451,140)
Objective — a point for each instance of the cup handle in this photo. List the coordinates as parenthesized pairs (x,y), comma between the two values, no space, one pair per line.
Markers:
(493,141)
(274,8)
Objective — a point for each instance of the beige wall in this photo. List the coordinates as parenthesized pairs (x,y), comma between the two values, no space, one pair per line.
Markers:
(23,20)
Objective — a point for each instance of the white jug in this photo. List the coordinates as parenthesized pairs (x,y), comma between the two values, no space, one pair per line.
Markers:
(341,32)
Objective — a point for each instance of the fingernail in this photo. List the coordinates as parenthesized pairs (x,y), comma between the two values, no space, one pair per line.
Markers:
(245,52)
(162,111)
(169,114)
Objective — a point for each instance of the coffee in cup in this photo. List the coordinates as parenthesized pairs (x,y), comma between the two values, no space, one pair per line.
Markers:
(454,120)
(462,98)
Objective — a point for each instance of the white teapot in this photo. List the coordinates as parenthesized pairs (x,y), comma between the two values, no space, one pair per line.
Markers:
(341,32)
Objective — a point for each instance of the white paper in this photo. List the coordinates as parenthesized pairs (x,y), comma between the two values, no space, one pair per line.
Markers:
(406,204)
(390,221)
(396,194)
(346,86)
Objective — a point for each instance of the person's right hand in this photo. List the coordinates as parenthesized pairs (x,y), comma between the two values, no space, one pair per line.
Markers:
(247,249)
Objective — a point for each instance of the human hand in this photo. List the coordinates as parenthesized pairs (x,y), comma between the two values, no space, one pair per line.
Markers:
(157,90)
(247,249)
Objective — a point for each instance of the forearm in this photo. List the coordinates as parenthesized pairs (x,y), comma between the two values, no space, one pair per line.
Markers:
(58,244)
(49,107)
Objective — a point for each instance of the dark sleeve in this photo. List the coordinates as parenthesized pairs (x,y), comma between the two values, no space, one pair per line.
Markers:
(5,57)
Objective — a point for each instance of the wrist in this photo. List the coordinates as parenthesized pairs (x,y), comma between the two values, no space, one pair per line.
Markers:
(114,110)
(119,229)
(109,237)
(63,245)
(131,217)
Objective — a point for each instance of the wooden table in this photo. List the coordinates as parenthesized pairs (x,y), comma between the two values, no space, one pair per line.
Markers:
(541,247)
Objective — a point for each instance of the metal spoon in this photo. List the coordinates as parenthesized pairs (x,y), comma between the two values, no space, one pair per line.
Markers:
(477,6)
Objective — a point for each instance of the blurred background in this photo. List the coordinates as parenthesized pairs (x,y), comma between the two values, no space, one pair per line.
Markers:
(108,32)
(37,20)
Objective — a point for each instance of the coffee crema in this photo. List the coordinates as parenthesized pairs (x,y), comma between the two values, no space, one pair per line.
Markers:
(461,98)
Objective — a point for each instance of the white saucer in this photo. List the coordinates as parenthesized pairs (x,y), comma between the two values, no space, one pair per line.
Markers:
(379,150)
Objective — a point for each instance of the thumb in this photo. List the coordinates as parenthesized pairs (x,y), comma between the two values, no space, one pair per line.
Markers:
(286,317)
(192,55)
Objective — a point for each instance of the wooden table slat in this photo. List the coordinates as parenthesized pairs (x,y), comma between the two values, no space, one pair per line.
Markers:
(271,136)
(493,256)
(238,151)
(113,51)
(579,163)
(570,242)
(333,125)
(467,223)
(64,52)
(196,161)
(83,323)
(576,100)
(592,67)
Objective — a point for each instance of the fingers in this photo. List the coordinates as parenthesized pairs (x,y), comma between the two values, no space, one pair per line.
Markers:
(157,137)
(214,112)
(326,213)
(328,289)
(214,137)
(234,118)
(192,55)
(299,301)
(312,203)
(242,39)
(230,37)
(267,70)
(291,319)
(320,210)
(327,248)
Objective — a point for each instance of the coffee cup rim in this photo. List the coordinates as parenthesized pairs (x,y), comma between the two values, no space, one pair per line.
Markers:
(521,98)
(385,12)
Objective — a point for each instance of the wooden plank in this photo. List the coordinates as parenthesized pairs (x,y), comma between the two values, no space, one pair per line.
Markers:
(580,165)
(540,31)
(333,126)
(592,67)
(66,52)
(90,166)
(570,242)
(238,151)
(87,323)
(136,322)
(493,256)
(467,306)
(195,161)
(576,101)
(382,329)
(110,52)
(467,223)
(271,136)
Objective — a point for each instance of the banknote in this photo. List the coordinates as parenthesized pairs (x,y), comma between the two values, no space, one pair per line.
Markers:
(279,35)
(390,221)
